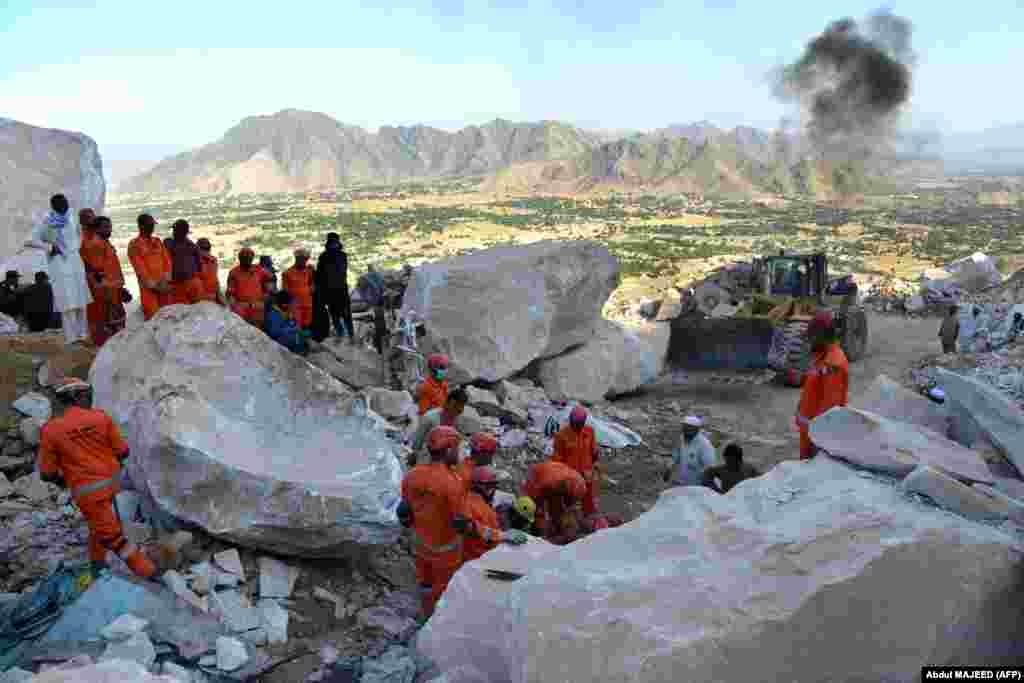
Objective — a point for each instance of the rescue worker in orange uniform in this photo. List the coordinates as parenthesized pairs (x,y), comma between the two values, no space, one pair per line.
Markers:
(83,450)
(298,281)
(555,488)
(576,446)
(482,447)
(484,530)
(433,504)
(152,265)
(91,254)
(827,382)
(248,286)
(107,280)
(186,266)
(433,390)
(209,272)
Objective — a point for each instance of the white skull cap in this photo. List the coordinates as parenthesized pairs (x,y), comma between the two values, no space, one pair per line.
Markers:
(693,421)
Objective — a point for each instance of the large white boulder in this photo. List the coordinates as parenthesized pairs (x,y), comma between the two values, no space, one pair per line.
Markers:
(953,495)
(997,416)
(808,573)
(496,310)
(36,163)
(887,398)
(895,448)
(230,431)
(618,360)
(110,671)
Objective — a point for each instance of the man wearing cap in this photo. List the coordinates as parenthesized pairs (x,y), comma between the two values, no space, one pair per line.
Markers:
(248,286)
(83,451)
(209,272)
(950,330)
(186,285)
(827,382)
(298,281)
(152,266)
(692,456)
(576,446)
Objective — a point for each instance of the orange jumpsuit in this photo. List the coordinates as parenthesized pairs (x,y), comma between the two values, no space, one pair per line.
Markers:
(299,283)
(436,494)
(487,526)
(543,482)
(152,263)
(85,448)
(110,314)
(431,394)
(578,450)
(247,290)
(91,257)
(826,386)
(208,276)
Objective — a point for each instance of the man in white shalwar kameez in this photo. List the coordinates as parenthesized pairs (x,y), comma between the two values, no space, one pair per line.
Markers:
(60,237)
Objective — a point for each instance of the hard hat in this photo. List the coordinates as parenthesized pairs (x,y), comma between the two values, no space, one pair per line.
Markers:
(526,508)
(576,487)
(438,361)
(485,475)
(483,442)
(578,416)
(441,438)
(822,321)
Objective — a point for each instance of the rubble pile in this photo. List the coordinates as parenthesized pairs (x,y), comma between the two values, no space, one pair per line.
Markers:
(1002,369)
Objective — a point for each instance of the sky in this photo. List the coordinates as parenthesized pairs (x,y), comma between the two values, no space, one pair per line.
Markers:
(146,79)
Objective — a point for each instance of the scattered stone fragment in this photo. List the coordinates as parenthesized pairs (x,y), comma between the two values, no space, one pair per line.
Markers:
(5,486)
(137,648)
(15,675)
(277,579)
(997,417)
(394,666)
(256,637)
(387,620)
(275,621)
(29,429)
(950,494)
(231,654)
(226,580)
(124,627)
(176,582)
(34,405)
(176,672)
(35,489)
(325,595)
(230,561)
(235,611)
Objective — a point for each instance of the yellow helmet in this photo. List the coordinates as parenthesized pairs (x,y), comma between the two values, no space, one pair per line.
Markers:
(526,508)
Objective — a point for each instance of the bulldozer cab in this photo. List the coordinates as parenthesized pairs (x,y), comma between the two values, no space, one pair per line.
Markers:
(800,277)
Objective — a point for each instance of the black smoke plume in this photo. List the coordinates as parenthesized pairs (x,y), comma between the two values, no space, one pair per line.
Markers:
(853,81)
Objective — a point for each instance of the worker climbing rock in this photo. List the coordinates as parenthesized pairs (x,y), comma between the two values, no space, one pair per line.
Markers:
(432,392)
(445,416)
(482,447)
(482,528)
(433,498)
(82,450)
(827,382)
(554,487)
(576,446)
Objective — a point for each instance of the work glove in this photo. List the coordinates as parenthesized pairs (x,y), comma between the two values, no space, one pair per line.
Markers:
(516,537)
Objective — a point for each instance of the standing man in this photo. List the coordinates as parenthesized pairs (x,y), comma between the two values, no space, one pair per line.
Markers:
(82,450)
(248,286)
(267,264)
(209,272)
(110,316)
(722,478)
(298,281)
(60,236)
(445,416)
(432,392)
(555,488)
(482,528)
(186,266)
(482,447)
(372,287)
(576,446)
(332,284)
(827,382)
(152,265)
(435,499)
(692,456)
(950,330)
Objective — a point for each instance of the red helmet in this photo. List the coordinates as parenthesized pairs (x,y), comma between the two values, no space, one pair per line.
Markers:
(483,443)
(822,321)
(576,487)
(485,476)
(438,361)
(246,251)
(442,438)
(578,416)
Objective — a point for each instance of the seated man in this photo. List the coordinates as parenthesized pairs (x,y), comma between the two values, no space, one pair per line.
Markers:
(38,305)
(722,478)
(280,326)
(11,295)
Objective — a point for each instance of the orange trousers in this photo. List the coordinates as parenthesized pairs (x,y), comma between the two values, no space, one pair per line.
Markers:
(187,292)
(590,499)
(433,572)
(151,301)
(105,533)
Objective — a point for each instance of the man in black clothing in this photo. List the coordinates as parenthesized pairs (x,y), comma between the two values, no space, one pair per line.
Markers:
(332,286)
(373,291)
(38,304)
(722,478)
(11,295)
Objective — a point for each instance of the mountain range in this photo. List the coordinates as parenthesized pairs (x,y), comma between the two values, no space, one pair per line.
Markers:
(294,151)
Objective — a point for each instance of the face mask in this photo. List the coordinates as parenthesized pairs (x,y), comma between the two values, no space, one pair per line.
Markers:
(440,374)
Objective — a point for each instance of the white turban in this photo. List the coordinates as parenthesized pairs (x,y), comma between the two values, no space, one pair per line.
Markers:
(693,421)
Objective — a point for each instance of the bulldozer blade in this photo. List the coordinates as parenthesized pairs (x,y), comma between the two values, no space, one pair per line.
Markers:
(697,343)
